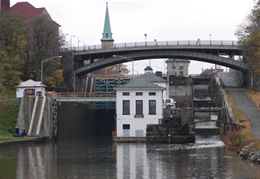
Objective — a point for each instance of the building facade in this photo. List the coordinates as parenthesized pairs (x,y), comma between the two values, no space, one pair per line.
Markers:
(138,103)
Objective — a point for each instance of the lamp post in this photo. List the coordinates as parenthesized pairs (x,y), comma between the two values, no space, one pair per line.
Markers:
(210,39)
(70,40)
(43,61)
(145,35)
(82,44)
(128,60)
(78,40)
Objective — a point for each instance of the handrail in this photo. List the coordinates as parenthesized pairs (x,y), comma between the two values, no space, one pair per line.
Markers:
(153,44)
(82,94)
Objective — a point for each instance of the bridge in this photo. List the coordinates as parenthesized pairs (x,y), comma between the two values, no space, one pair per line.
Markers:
(216,52)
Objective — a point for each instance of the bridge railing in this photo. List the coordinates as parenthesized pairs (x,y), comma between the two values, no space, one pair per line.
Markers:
(83,95)
(154,44)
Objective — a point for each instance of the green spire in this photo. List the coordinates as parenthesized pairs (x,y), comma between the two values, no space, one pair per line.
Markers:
(107,34)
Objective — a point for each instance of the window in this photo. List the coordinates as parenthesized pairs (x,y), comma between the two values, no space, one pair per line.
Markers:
(126,130)
(139,93)
(139,133)
(126,94)
(106,35)
(152,107)
(126,107)
(139,107)
(126,126)
(152,93)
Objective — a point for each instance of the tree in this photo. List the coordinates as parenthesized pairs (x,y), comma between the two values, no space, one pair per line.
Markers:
(114,69)
(248,34)
(10,71)
(43,42)
(13,35)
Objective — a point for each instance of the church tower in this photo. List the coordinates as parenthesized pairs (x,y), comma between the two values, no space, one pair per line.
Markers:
(107,40)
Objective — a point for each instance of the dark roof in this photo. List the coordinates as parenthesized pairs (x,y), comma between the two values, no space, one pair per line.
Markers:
(151,77)
(140,84)
(28,10)
(148,68)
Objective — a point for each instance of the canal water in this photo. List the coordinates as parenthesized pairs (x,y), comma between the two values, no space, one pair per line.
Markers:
(98,158)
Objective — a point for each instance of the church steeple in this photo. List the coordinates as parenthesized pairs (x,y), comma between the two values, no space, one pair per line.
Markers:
(107,34)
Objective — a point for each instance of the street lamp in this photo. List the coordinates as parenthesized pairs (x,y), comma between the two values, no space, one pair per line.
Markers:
(78,40)
(82,44)
(70,40)
(128,60)
(46,60)
(145,35)
(210,39)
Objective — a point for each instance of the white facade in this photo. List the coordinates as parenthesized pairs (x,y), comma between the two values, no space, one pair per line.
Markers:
(133,124)
(29,87)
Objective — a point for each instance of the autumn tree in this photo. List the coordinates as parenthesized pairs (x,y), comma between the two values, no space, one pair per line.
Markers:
(248,34)
(13,35)
(44,42)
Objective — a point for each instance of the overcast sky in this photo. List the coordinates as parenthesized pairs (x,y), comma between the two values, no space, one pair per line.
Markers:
(161,20)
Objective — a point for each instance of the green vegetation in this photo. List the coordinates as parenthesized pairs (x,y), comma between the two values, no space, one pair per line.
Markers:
(24,43)
(8,118)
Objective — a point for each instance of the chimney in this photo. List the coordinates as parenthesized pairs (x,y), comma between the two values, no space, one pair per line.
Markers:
(4,6)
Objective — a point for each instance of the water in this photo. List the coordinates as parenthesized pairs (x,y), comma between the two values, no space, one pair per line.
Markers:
(100,158)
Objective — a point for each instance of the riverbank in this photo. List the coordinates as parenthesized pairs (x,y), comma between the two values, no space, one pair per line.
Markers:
(241,140)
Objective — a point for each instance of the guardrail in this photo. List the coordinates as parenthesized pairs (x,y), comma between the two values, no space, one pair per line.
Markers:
(153,44)
(82,94)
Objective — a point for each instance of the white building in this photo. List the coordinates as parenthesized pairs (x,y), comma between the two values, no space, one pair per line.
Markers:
(138,103)
(157,81)
(29,87)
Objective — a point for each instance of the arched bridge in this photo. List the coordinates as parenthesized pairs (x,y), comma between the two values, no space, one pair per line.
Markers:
(216,52)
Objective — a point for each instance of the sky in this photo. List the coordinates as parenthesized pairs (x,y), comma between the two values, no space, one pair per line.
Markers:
(162,20)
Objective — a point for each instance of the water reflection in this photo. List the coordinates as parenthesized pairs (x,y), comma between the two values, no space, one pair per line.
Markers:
(100,158)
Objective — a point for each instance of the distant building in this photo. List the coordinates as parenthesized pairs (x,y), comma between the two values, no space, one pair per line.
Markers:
(29,11)
(29,88)
(138,103)
(177,67)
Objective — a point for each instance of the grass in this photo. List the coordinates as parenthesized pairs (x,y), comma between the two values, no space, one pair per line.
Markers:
(8,118)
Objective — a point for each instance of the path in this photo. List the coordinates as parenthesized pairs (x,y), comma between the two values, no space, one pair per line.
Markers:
(243,102)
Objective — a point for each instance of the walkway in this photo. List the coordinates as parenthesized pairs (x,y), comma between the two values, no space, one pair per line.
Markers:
(243,103)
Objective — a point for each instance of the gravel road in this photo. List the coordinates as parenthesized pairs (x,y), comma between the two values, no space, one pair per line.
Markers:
(243,102)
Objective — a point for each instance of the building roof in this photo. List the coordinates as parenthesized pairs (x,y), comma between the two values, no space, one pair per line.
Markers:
(30,83)
(139,84)
(26,9)
(151,77)
(29,11)
(148,68)
(107,34)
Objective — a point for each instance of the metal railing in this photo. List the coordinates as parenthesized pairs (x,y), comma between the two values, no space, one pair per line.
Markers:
(153,44)
(82,94)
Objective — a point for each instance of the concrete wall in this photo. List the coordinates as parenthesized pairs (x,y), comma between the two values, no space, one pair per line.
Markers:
(25,114)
